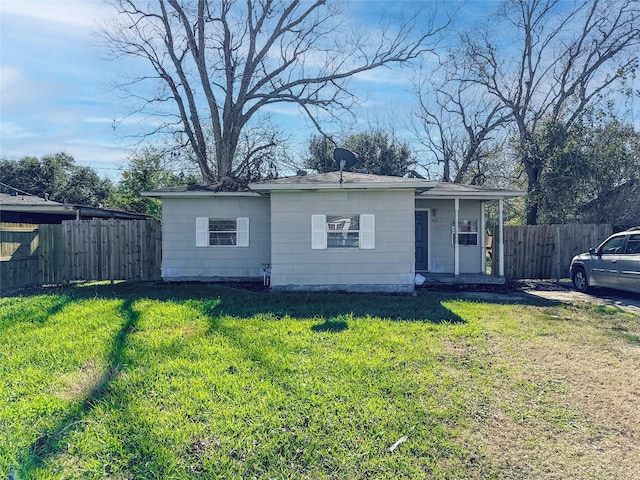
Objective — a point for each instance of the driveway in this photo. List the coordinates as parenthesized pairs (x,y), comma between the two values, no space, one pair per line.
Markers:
(562,291)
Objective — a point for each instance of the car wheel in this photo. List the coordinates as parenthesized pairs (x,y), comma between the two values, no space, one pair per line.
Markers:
(579,278)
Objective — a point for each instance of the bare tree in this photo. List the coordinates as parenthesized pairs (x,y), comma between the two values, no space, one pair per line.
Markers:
(458,125)
(262,148)
(547,60)
(218,63)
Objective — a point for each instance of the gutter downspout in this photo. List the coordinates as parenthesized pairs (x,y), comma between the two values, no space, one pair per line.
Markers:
(501,244)
(483,242)
(456,244)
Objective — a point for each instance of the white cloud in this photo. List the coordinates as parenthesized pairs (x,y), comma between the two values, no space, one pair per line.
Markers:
(107,158)
(18,89)
(105,120)
(387,76)
(287,109)
(13,131)
(10,76)
(74,17)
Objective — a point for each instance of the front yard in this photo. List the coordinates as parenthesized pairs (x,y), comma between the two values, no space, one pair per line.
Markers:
(141,381)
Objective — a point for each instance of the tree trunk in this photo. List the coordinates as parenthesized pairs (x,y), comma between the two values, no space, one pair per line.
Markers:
(533,189)
(532,211)
(446,170)
(226,151)
(223,161)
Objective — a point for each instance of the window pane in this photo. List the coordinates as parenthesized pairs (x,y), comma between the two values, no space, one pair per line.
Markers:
(343,239)
(467,238)
(633,245)
(343,222)
(466,226)
(224,238)
(222,224)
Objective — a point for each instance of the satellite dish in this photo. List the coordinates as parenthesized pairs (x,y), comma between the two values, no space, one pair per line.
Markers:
(344,158)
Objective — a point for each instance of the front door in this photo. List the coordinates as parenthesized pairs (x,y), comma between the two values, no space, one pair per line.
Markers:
(422,254)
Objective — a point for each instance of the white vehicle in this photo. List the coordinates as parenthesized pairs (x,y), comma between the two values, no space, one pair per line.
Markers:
(614,264)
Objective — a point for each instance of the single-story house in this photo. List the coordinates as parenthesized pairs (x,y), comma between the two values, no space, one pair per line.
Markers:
(19,208)
(331,231)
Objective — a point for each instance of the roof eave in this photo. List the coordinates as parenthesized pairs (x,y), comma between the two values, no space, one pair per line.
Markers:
(493,195)
(72,211)
(196,193)
(55,208)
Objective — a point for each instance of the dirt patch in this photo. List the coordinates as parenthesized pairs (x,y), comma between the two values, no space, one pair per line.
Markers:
(78,385)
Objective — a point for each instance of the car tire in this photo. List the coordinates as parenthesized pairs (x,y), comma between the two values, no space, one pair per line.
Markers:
(579,279)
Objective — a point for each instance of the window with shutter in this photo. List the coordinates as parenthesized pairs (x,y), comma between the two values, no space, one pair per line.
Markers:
(343,231)
(233,232)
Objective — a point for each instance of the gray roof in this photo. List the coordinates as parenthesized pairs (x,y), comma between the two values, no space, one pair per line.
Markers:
(33,204)
(350,180)
(331,180)
(7,199)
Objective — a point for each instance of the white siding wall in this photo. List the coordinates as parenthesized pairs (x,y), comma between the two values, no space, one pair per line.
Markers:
(388,267)
(182,260)
(442,251)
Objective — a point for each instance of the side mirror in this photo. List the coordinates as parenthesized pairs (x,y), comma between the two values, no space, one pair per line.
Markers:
(592,251)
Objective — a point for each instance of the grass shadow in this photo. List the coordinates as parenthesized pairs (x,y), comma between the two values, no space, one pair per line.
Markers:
(23,309)
(48,443)
(427,308)
(330,326)
(216,300)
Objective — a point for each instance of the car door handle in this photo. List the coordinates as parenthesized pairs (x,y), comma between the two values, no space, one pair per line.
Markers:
(614,261)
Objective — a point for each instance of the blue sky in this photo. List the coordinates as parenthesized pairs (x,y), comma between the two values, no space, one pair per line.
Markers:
(55,86)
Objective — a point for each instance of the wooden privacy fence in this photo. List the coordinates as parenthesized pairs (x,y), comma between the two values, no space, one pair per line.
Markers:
(21,255)
(111,249)
(79,250)
(545,251)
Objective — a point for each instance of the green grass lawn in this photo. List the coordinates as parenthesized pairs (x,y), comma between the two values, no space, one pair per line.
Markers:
(142,381)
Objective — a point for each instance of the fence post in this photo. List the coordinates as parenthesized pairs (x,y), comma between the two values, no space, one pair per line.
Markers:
(556,272)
